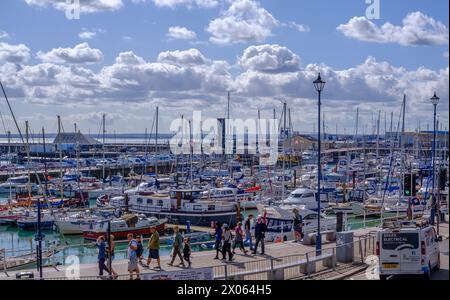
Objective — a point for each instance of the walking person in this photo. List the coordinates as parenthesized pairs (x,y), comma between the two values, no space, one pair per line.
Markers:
(297,225)
(239,238)
(140,249)
(260,234)
(227,240)
(132,257)
(248,231)
(112,255)
(101,245)
(187,251)
(177,247)
(218,238)
(153,247)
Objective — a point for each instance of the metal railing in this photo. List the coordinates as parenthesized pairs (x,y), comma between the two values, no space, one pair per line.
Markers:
(288,267)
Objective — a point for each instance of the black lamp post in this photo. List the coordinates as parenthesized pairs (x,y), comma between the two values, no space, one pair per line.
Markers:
(435,101)
(319,86)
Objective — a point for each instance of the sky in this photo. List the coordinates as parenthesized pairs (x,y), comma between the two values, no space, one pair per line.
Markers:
(125,57)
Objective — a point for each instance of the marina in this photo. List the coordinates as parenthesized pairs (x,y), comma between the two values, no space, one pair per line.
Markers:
(210,140)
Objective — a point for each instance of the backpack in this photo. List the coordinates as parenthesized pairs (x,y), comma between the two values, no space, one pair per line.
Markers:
(139,250)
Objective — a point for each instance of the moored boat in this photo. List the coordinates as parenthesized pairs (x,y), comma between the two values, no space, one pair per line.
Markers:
(121,227)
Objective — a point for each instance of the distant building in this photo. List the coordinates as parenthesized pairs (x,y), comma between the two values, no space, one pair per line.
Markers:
(302,142)
(423,139)
(69,141)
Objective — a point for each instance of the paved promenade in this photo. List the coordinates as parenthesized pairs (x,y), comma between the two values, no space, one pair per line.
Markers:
(199,259)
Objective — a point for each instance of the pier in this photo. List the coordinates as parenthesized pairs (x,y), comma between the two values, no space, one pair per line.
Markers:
(282,261)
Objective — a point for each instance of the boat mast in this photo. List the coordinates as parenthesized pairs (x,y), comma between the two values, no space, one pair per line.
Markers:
(191,153)
(285,133)
(12,113)
(156,142)
(60,159)
(403,153)
(364,168)
(357,123)
(378,135)
(9,142)
(28,159)
(103,148)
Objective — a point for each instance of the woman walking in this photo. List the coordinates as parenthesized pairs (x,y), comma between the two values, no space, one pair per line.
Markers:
(239,238)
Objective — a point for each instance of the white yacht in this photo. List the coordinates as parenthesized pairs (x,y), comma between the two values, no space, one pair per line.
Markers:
(307,198)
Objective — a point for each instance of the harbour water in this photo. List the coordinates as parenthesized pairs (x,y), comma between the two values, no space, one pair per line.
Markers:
(17,241)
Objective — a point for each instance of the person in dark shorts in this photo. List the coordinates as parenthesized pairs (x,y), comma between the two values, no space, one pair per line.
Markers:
(153,247)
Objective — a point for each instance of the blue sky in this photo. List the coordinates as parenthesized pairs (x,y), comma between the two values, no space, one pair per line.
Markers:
(142,27)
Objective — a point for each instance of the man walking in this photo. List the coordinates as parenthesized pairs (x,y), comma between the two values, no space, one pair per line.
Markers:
(132,257)
(177,247)
(260,234)
(153,247)
(101,245)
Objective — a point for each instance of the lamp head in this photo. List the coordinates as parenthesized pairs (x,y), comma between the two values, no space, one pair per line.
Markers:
(319,84)
(435,99)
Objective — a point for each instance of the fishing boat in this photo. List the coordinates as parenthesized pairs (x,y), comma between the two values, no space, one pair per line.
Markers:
(121,227)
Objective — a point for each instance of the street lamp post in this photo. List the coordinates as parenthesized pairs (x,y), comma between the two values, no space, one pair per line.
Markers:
(435,200)
(319,86)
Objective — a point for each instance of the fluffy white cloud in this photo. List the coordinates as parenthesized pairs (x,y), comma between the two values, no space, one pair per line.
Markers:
(244,21)
(180,81)
(14,53)
(80,54)
(298,27)
(86,6)
(188,57)
(3,34)
(417,29)
(181,33)
(187,3)
(87,35)
(269,58)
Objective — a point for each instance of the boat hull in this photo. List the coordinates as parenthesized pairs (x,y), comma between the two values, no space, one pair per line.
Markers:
(33,225)
(196,219)
(122,234)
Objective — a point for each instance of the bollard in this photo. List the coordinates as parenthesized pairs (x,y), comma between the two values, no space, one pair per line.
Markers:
(344,247)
